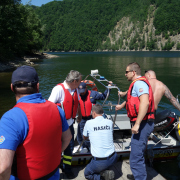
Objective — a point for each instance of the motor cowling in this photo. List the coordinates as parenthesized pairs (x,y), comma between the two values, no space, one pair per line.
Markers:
(165,120)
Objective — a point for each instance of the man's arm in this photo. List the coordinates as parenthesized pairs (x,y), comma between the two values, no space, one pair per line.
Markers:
(143,108)
(57,94)
(120,106)
(171,98)
(66,138)
(122,94)
(6,160)
(79,118)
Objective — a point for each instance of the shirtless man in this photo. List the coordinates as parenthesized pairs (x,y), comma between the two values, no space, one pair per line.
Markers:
(159,89)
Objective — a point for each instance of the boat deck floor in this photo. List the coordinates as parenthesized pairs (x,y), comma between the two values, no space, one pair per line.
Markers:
(121,169)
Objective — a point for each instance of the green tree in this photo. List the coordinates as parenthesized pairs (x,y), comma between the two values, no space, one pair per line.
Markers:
(20,30)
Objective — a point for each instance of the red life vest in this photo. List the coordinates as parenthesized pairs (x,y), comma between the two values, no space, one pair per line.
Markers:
(70,103)
(132,104)
(40,153)
(86,106)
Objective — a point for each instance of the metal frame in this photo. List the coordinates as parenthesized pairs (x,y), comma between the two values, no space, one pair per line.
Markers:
(94,76)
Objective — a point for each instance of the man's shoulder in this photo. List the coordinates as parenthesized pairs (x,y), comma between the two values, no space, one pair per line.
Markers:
(140,83)
(58,87)
(160,86)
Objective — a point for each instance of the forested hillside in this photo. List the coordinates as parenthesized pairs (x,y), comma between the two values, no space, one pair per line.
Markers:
(84,25)
(88,25)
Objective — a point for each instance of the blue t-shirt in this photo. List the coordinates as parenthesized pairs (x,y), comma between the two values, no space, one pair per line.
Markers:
(139,88)
(100,132)
(14,125)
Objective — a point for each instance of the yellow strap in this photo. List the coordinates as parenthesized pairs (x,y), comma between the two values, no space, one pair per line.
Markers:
(67,162)
(67,157)
(179,127)
(141,78)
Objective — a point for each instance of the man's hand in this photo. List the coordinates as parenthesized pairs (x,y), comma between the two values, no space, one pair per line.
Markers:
(122,94)
(110,83)
(135,129)
(120,106)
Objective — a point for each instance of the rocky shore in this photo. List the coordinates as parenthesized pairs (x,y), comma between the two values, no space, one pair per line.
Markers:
(26,60)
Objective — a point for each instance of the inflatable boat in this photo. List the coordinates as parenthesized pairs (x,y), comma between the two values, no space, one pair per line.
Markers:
(163,143)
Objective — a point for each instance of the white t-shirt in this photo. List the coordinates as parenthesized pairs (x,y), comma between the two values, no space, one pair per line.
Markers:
(57,96)
(100,132)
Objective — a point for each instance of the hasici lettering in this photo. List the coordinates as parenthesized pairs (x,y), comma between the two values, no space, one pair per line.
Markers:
(101,128)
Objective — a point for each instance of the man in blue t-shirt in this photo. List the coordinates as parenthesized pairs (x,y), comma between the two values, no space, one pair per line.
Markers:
(33,133)
(100,133)
(140,109)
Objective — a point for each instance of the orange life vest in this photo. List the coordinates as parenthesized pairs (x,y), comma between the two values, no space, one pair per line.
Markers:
(70,103)
(91,84)
(40,153)
(86,106)
(132,104)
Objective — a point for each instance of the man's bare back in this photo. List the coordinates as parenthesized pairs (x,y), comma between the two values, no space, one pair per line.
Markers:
(159,89)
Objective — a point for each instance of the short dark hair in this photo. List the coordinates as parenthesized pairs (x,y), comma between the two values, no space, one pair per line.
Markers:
(134,66)
(97,108)
(22,88)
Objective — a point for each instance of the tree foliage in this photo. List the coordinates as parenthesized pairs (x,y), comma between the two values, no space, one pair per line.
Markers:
(20,29)
(167,16)
(83,25)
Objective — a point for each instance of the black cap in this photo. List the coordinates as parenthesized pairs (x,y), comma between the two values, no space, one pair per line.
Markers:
(25,74)
(82,87)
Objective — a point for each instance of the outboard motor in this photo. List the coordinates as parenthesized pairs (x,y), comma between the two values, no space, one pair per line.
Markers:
(165,121)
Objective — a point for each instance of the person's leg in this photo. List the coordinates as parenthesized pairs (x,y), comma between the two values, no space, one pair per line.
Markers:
(79,134)
(138,147)
(96,167)
(67,157)
(112,160)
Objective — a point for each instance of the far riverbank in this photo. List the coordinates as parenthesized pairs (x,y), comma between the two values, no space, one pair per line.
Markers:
(26,60)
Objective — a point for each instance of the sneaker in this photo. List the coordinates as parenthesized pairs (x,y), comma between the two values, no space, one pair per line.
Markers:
(107,175)
(130,176)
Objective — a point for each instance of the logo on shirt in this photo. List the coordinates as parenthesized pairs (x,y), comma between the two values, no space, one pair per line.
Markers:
(2,139)
(141,90)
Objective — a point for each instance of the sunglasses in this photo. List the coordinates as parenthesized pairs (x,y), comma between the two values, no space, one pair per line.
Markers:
(128,71)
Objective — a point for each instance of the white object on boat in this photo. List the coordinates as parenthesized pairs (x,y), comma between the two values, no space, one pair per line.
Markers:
(93,72)
(82,150)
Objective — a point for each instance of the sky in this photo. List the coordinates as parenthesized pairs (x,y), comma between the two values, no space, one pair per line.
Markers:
(36,2)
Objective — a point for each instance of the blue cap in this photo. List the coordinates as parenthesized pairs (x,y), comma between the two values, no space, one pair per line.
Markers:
(82,87)
(25,74)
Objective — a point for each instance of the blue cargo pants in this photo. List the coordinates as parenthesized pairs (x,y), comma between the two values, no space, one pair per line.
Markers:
(138,147)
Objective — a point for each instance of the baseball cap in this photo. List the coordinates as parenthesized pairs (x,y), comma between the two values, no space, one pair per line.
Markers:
(25,74)
(82,87)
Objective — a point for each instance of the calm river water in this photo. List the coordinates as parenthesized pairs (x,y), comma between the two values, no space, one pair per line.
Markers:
(112,66)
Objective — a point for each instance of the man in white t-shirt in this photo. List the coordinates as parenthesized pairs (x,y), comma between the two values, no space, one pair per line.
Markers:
(66,95)
(100,133)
